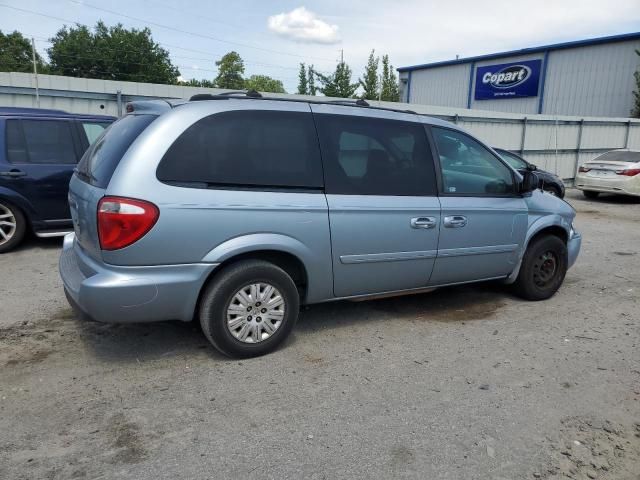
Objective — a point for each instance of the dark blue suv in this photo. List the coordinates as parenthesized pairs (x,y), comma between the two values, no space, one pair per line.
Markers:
(39,150)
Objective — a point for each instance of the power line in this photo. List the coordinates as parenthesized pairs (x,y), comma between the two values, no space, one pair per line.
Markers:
(159,43)
(210,59)
(186,32)
(129,62)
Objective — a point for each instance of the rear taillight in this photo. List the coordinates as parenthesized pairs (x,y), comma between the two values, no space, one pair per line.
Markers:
(583,169)
(123,221)
(629,172)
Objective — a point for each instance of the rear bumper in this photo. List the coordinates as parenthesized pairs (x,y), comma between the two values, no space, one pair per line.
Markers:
(116,294)
(619,184)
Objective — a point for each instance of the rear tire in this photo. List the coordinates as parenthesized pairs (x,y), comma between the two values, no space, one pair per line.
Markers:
(590,194)
(543,269)
(249,309)
(13,226)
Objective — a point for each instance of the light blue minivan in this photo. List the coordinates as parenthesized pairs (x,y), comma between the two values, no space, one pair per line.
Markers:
(236,209)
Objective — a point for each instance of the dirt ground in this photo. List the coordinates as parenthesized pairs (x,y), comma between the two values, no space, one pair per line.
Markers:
(461,383)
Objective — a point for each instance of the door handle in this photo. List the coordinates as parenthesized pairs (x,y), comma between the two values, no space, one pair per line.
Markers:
(455,221)
(13,173)
(423,222)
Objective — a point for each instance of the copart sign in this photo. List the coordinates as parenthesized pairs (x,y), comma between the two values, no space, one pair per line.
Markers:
(508,80)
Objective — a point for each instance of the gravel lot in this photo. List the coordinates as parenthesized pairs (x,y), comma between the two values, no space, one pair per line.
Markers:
(462,383)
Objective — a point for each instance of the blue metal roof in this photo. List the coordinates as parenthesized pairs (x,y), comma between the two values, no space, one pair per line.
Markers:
(46,112)
(525,51)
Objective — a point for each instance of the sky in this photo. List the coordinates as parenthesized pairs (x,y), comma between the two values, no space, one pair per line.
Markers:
(273,37)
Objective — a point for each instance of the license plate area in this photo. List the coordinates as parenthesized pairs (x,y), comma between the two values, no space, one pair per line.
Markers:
(602,173)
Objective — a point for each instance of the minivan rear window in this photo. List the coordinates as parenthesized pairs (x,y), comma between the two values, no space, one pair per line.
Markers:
(101,159)
(246,148)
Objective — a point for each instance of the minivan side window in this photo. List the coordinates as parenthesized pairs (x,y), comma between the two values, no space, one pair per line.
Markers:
(93,130)
(374,156)
(468,168)
(246,148)
(40,141)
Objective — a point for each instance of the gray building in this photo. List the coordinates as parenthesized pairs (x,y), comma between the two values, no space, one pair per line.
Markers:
(592,77)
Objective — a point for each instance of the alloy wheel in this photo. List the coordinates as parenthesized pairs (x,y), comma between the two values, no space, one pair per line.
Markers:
(8,224)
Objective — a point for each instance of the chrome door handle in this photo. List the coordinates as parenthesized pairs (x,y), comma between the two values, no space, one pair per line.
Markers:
(13,173)
(455,221)
(423,222)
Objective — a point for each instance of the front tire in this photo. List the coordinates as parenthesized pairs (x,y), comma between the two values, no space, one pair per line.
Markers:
(249,309)
(590,194)
(13,226)
(555,191)
(543,268)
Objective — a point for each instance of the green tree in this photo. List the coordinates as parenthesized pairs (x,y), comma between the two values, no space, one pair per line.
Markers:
(370,81)
(635,111)
(264,83)
(311,80)
(230,72)
(110,53)
(390,91)
(303,82)
(15,54)
(338,84)
(198,83)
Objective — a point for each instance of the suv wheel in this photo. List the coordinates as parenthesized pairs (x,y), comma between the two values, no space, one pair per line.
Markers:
(543,268)
(13,226)
(555,191)
(590,193)
(249,308)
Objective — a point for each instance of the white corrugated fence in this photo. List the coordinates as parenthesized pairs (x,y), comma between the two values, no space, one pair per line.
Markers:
(555,143)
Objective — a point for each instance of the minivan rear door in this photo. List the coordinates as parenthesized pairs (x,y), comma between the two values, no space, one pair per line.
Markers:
(94,172)
(41,154)
(384,212)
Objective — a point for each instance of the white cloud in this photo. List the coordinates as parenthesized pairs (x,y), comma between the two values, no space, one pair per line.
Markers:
(305,26)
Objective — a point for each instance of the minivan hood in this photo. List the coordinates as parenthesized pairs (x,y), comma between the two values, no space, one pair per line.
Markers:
(543,203)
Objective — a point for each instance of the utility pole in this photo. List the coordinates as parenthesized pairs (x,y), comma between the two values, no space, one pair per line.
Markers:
(380,88)
(341,55)
(35,70)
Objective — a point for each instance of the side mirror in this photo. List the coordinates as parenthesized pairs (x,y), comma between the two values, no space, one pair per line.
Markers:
(531,167)
(529,182)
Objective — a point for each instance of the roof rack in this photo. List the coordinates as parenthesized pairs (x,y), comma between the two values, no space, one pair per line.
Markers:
(253,95)
(360,102)
(225,95)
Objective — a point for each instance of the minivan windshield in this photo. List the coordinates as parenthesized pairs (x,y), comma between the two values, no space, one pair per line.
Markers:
(101,159)
(513,160)
(619,156)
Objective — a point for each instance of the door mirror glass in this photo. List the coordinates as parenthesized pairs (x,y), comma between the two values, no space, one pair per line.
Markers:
(529,182)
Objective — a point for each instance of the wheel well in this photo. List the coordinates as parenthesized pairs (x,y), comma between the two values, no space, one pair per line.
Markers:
(286,261)
(555,230)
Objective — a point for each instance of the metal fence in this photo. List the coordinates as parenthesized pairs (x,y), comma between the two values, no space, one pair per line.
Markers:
(555,143)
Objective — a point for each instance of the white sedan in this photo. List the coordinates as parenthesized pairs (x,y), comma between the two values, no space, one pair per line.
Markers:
(617,171)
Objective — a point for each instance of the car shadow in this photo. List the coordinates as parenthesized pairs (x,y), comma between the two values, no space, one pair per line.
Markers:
(613,199)
(154,341)
(31,241)
(448,304)
(139,342)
